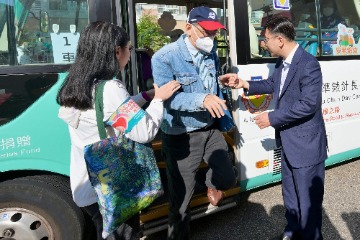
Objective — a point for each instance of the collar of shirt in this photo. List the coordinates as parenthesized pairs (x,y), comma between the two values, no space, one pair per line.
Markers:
(290,57)
(193,51)
(200,65)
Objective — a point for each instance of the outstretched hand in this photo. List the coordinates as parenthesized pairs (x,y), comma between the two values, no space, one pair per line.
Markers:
(228,79)
(167,90)
(232,80)
(239,84)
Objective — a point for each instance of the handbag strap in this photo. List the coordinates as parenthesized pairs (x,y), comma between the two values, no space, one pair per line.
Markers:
(217,69)
(225,90)
(99,109)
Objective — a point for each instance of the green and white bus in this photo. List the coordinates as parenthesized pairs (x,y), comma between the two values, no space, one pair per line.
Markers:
(38,41)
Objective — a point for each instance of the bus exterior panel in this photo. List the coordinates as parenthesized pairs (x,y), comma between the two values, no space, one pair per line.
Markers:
(37,44)
(36,137)
(341,112)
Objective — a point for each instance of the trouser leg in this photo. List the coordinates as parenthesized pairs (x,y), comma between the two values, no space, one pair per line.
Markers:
(291,201)
(303,191)
(130,230)
(183,155)
(310,182)
(93,211)
(221,174)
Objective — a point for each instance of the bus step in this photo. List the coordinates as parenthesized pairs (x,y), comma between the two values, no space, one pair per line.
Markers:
(201,211)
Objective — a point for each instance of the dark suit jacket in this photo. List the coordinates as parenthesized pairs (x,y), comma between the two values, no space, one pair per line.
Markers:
(297,117)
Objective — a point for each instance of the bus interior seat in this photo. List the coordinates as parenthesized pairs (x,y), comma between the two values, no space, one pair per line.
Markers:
(356,33)
(309,46)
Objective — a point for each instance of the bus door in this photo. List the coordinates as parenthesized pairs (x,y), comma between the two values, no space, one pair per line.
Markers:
(156,24)
(153,24)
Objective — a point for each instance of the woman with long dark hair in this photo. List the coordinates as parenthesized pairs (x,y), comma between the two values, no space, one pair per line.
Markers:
(103,52)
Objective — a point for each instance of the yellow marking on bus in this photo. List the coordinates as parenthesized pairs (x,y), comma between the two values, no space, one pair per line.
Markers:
(262,163)
(257,100)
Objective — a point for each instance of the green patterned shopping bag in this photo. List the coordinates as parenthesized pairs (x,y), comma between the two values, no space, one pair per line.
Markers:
(123,172)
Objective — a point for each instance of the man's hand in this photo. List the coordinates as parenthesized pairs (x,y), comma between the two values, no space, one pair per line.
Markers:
(215,105)
(262,120)
(228,79)
(232,80)
(239,84)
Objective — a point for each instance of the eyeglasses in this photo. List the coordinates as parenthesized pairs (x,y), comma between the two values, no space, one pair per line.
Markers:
(266,40)
(206,33)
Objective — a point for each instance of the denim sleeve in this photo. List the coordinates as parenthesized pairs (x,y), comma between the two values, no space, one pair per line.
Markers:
(181,101)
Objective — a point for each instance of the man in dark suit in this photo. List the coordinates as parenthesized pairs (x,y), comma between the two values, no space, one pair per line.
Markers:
(299,128)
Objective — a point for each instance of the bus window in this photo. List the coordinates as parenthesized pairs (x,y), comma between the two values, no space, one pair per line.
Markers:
(40,31)
(306,26)
(340,27)
(254,20)
(299,14)
(336,40)
(18,94)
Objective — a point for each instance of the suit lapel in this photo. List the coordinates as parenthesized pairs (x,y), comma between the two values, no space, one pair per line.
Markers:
(292,70)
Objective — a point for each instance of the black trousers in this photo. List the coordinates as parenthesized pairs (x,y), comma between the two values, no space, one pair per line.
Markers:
(130,230)
(184,154)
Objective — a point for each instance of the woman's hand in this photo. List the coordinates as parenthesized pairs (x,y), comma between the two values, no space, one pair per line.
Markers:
(167,90)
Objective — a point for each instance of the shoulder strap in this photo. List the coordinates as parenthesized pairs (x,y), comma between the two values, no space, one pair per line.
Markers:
(224,90)
(99,109)
(217,68)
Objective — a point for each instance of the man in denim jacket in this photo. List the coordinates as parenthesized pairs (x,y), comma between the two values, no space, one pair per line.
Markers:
(189,134)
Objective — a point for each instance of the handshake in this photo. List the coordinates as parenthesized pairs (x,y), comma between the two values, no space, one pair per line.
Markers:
(232,80)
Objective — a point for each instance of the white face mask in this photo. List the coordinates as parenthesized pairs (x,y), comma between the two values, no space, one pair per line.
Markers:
(205,44)
(328,11)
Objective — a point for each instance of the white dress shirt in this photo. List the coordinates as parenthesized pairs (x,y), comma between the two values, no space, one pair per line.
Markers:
(285,70)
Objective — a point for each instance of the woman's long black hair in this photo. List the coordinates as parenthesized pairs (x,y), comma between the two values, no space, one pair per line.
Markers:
(95,60)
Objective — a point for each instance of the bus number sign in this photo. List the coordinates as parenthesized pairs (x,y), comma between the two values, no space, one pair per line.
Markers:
(64,47)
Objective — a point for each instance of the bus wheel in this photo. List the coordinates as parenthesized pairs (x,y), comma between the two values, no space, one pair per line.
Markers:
(39,208)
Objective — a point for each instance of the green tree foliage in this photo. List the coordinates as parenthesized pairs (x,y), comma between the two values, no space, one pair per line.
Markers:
(221,45)
(149,33)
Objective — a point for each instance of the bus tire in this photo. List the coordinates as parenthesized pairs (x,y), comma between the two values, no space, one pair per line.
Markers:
(40,207)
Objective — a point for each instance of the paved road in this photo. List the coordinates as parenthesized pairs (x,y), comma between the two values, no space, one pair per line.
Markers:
(260,214)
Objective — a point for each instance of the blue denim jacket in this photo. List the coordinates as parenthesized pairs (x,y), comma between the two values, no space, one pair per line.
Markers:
(184,111)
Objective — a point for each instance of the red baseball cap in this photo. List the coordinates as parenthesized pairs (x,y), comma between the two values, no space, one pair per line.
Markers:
(205,17)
